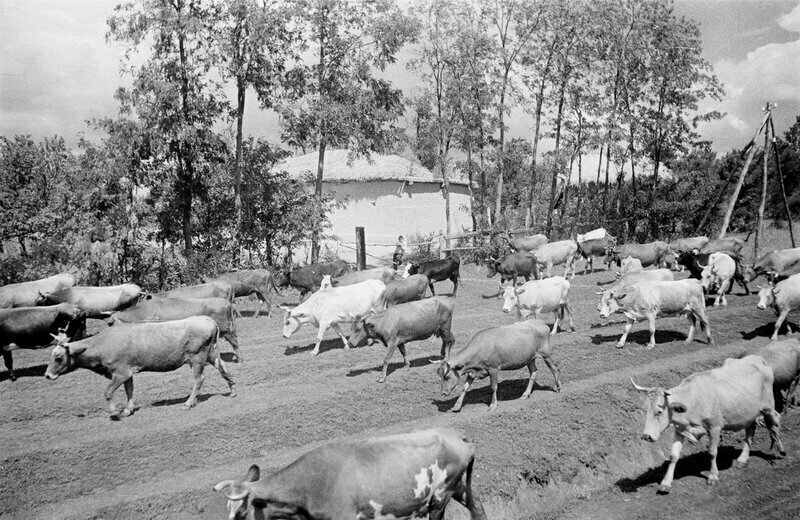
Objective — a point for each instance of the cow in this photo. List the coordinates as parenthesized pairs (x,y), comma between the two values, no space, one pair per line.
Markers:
(537,296)
(402,290)
(511,266)
(730,397)
(719,272)
(508,347)
(652,253)
(525,244)
(412,321)
(35,327)
(25,294)
(121,351)
(216,289)
(629,279)
(688,244)
(247,282)
(556,253)
(412,475)
(696,262)
(384,274)
(732,244)
(219,309)
(96,302)
(588,249)
(307,279)
(783,297)
(328,307)
(650,298)
(776,261)
(630,265)
(438,271)
(783,357)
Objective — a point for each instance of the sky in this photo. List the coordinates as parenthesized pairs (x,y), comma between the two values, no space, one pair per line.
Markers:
(57,71)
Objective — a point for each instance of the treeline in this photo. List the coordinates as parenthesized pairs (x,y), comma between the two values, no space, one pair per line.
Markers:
(175,189)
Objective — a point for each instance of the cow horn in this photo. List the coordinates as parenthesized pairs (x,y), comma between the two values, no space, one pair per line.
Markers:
(224,484)
(237,492)
(642,388)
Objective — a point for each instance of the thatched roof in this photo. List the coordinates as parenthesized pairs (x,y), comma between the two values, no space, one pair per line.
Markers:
(377,168)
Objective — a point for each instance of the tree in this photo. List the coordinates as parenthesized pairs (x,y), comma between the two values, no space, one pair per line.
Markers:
(173,95)
(338,101)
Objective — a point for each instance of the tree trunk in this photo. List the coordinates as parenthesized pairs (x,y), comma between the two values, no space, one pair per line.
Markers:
(557,169)
(530,217)
(315,235)
(498,208)
(241,89)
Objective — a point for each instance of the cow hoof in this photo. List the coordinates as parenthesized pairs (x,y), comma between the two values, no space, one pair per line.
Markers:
(455,410)
(664,490)
(620,345)
(232,392)
(126,413)
(12,377)
(712,481)
(189,405)
(738,464)
(370,342)
(650,346)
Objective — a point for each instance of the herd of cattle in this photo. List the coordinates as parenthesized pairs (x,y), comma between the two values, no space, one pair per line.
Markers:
(161,332)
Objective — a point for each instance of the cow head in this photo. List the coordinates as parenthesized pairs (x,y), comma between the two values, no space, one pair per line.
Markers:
(362,330)
(610,302)
(630,265)
(660,411)
(511,298)
(292,320)
(492,265)
(62,359)
(411,269)
(750,273)
(239,494)
(326,282)
(449,376)
(707,276)
(766,296)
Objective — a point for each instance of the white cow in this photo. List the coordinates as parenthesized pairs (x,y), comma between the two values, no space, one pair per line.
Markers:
(720,271)
(25,294)
(556,253)
(630,265)
(731,397)
(782,297)
(648,299)
(329,307)
(628,279)
(537,296)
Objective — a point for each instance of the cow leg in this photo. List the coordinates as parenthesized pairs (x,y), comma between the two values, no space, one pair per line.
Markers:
(433,293)
(9,361)
(129,394)
(557,313)
(459,403)
(626,330)
(651,322)
(236,309)
(772,420)
(447,343)
(117,380)
(568,311)
(532,369)
(341,335)
(674,455)
(455,284)
(262,301)
(323,326)
(464,495)
(790,398)
(223,371)
(197,371)
(550,270)
(389,352)
(778,323)
(494,377)
(231,338)
(551,364)
(713,448)
(727,284)
(692,326)
(749,433)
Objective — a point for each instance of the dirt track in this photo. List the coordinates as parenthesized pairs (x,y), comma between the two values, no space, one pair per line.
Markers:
(571,455)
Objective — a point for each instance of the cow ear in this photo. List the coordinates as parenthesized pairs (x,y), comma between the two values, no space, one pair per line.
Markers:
(678,407)
(253,474)
(519,291)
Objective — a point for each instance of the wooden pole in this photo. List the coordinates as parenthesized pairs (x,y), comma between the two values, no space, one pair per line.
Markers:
(361,249)
(738,188)
(783,188)
(763,204)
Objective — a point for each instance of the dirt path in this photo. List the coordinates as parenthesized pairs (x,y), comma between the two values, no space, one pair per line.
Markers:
(541,458)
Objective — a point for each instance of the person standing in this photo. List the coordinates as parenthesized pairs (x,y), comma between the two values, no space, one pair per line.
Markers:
(399,251)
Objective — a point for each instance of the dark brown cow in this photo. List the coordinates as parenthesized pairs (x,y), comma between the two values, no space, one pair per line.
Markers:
(413,475)
(247,282)
(308,278)
(35,327)
(120,352)
(437,271)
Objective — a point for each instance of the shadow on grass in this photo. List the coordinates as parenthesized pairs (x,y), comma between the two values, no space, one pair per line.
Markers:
(766,330)
(642,337)
(326,345)
(31,371)
(510,390)
(695,465)
(200,398)
(415,363)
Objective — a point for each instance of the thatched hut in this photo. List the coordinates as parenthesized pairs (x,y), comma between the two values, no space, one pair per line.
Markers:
(388,195)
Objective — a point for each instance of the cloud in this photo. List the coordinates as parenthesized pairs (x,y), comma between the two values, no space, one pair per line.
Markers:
(768,73)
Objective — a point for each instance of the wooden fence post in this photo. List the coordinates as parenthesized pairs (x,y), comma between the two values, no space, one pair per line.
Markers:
(361,250)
